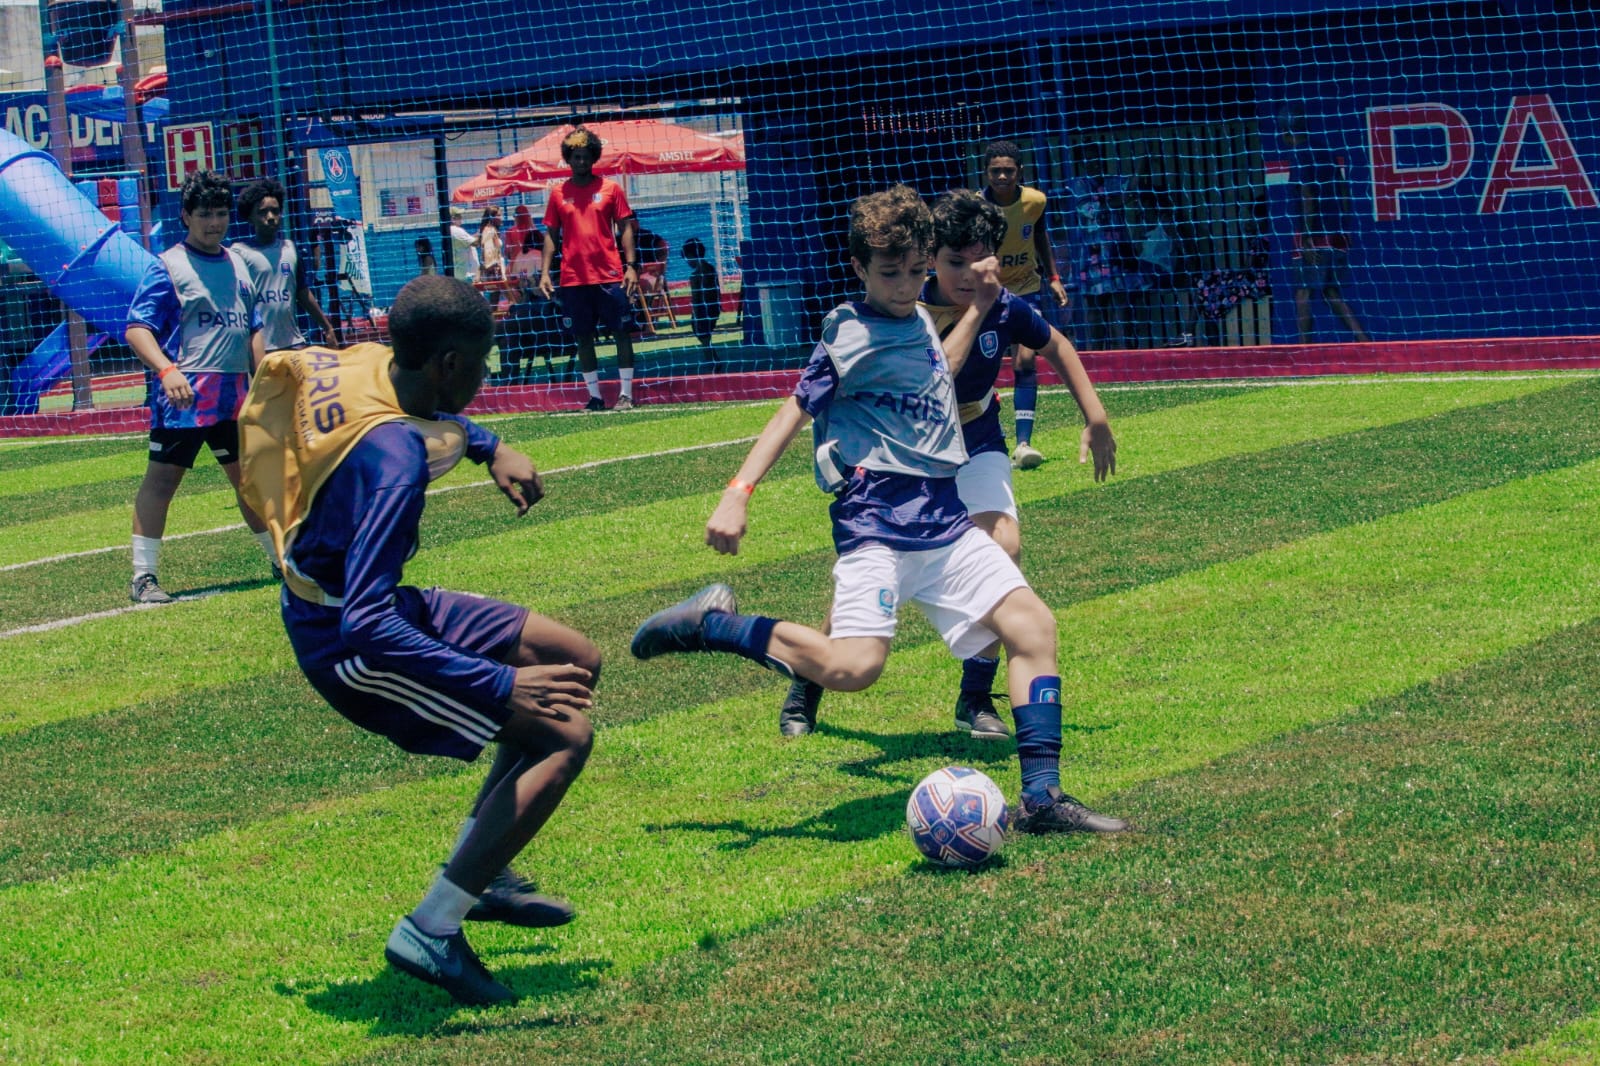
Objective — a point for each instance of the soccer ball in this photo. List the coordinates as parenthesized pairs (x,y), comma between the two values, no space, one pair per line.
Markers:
(957,817)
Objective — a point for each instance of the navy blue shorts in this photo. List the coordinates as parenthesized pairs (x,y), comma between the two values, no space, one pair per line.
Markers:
(585,308)
(180,447)
(416,715)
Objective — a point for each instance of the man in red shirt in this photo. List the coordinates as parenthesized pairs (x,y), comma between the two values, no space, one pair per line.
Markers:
(591,215)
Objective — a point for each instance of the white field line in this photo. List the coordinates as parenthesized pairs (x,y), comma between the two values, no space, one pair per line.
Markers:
(62,623)
(431,492)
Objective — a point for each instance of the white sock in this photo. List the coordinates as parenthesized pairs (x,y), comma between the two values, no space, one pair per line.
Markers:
(441,911)
(146,551)
(626,374)
(461,837)
(591,378)
(264,538)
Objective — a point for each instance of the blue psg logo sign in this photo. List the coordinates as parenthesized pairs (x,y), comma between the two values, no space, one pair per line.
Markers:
(989,344)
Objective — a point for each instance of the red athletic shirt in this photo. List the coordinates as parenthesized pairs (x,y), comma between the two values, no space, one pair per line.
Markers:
(586,217)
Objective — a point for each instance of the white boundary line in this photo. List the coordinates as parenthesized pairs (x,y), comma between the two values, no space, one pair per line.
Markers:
(62,623)
(431,492)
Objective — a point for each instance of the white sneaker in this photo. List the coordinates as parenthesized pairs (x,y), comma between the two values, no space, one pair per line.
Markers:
(623,404)
(1026,457)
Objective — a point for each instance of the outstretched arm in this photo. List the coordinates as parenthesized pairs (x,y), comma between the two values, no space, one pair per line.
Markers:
(1097,438)
(729,521)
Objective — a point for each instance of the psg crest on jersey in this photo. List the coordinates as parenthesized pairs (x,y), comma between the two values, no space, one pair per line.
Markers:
(934,360)
(989,344)
(1027,230)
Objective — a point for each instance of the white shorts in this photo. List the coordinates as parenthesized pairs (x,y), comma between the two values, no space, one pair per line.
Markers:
(956,586)
(984,483)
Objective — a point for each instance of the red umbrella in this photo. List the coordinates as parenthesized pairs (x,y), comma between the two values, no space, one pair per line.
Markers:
(632,146)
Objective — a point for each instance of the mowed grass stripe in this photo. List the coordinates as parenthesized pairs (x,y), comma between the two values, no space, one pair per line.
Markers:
(1413,883)
(1174,523)
(53,675)
(261,943)
(103,520)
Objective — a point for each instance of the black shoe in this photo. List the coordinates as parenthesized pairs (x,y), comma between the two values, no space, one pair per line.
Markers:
(1063,814)
(798,716)
(446,961)
(595,404)
(678,627)
(975,714)
(513,900)
(145,590)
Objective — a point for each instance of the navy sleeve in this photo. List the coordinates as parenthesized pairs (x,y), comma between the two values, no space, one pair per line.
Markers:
(480,442)
(385,534)
(1021,324)
(818,382)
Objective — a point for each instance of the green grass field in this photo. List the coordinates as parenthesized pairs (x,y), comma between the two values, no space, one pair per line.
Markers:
(1330,645)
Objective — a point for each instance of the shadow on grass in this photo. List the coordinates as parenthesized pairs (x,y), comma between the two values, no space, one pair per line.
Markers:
(393,1004)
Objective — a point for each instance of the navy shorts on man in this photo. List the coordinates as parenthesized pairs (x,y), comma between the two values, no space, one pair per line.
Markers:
(585,308)
(413,714)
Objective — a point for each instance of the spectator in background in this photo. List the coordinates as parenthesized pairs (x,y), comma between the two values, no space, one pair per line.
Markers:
(491,247)
(1154,232)
(705,293)
(1104,255)
(525,253)
(463,249)
(517,235)
(426,263)
(1321,255)
(278,270)
(599,261)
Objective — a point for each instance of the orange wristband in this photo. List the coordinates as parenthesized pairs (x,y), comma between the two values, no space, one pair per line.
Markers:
(743,486)
(169,368)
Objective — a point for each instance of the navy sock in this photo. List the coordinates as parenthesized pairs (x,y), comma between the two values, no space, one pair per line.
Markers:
(977,674)
(743,634)
(1024,398)
(1039,737)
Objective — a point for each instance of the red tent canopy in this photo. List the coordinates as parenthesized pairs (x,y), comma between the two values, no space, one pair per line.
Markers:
(632,146)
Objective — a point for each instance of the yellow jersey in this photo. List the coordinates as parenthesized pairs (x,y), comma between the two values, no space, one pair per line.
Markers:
(1019,259)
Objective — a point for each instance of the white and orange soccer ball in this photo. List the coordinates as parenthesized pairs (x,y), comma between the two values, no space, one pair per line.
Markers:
(957,817)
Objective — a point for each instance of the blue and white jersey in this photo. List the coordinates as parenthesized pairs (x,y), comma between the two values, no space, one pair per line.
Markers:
(202,309)
(277,273)
(1011,320)
(879,385)
(354,543)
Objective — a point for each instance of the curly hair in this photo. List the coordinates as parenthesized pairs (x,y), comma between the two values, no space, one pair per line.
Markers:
(581,137)
(434,314)
(1001,150)
(257,191)
(206,188)
(962,218)
(893,223)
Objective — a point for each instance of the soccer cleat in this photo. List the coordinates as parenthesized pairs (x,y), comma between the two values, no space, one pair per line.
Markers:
(145,590)
(975,714)
(798,716)
(678,627)
(1063,814)
(512,900)
(446,961)
(595,404)
(624,403)
(1026,457)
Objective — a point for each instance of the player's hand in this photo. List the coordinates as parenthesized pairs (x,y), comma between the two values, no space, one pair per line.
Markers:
(986,272)
(1098,441)
(551,689)
(180,394)
(513,472)
(729,521)
(1059,291)
(547,286)
(630,281)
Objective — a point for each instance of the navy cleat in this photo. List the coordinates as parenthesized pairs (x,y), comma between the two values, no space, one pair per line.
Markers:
(798,716)
(677,628)
(145,590)
(1063,814)
(445,961)
(975,714)
(514,900)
